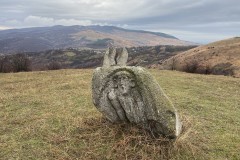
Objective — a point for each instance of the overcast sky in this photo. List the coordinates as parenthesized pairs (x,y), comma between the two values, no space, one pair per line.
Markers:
(199,21)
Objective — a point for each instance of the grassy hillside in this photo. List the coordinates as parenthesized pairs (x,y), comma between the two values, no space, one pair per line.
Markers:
(50,115)
(221,57)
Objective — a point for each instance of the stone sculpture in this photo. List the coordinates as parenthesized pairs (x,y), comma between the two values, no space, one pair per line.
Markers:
(131,95)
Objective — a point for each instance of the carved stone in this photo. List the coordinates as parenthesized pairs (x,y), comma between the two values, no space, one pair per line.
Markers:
(132,95)
(113,57)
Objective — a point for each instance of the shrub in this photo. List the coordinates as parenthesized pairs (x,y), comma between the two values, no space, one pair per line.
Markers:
(54,65)
(208,69)
(223,69)
(5,65)
(15,63)
(20,62)
(191,67)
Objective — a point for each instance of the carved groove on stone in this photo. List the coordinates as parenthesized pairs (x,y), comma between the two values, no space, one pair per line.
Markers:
(114,57)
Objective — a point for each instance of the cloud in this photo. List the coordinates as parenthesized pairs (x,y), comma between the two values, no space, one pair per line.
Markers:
(200,17)
(36,21)
(46,21)
(200,37)
(108,10)
(4,28)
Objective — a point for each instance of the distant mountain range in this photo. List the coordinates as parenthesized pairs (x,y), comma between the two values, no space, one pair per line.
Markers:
(93,37)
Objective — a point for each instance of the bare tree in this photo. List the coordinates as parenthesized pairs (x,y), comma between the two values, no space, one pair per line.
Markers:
(21,62)
(5,64)
(54,65)
(173,66)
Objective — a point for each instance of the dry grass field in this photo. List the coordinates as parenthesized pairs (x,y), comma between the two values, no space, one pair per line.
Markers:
(50,115)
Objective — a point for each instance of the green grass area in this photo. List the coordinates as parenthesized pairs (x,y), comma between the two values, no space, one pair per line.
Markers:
(70,54)
(50,115)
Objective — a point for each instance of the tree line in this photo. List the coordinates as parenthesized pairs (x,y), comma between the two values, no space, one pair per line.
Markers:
(22,63)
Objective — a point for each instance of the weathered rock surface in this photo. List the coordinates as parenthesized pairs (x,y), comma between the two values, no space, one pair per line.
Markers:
(132,95)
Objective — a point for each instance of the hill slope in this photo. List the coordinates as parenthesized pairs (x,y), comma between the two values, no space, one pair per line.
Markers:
(222,57)
(70,58)
(97,37)
(150,57)
(50,115)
